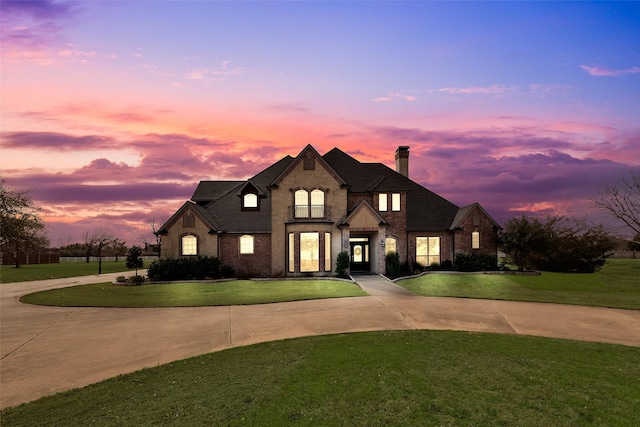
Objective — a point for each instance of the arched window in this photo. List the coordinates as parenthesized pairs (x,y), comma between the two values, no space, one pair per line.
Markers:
(302,203)
(317,204)
(250,201)
(189,245)
(246,244)
(390,246)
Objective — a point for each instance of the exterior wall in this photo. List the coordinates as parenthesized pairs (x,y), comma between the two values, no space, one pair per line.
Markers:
(257,264)
(207,243)
(486,228)
(397,224)
(282,198)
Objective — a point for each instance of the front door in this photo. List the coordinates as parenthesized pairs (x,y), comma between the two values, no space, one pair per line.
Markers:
(360,255)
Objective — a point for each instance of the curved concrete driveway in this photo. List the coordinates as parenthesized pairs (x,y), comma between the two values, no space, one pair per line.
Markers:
(49,349)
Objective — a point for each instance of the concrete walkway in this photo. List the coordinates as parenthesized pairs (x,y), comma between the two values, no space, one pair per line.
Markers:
(50,349)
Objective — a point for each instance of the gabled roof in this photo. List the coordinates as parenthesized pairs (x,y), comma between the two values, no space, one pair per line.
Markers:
(426,211)
(208,191)
(465,211)
(197,210)
(366,206)
(227,211)
(308,151)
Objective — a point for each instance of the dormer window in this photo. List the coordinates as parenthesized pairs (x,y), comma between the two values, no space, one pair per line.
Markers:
(250,201)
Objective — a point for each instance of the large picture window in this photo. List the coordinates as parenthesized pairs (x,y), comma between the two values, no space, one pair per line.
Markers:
(309,252)
(189,245)
(246,244)
(427,250)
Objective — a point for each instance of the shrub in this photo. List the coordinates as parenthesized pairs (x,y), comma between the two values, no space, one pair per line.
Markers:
(226,271)
(342,264)
(435,266)
(121,279)
(476,262)
(447,264)
(392,262)
(138,280)
(192,268)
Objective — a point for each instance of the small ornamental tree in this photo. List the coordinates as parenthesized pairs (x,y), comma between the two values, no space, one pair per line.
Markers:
(134,258)
(342,264)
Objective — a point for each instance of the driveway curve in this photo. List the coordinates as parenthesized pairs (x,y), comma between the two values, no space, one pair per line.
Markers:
(45,350)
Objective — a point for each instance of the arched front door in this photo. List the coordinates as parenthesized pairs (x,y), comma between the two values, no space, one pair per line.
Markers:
(359,254)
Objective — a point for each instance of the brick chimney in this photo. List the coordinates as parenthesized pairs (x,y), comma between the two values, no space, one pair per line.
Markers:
(402,160)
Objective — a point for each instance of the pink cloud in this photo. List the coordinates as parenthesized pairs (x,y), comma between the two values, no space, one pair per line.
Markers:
(478,90)
(600,71)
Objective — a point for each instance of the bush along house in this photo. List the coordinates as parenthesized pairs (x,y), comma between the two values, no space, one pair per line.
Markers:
(293,218)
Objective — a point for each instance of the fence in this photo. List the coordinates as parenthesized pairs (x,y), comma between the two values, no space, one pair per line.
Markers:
(44,258)
(122,258)
(625,255)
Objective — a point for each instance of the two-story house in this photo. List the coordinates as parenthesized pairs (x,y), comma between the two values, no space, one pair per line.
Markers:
(293,218)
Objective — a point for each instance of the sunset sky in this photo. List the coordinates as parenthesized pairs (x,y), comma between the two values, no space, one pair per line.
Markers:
(113,111)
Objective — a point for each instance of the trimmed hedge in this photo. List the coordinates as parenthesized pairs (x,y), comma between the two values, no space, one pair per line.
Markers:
(191,268)
(476,262)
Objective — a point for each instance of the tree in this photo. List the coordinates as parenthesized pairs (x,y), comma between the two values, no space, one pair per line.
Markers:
(558,244)
(21,228)
(119,247)
(622,200)
(635,244)
(522,239)
(94,242)
(134,258)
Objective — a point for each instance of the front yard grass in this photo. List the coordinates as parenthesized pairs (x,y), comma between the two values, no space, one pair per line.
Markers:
(236,292)
(399,378)
(617,285)
(29,272)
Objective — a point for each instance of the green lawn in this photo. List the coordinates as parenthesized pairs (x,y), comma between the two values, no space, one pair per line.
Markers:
(408,378)
(234,292)
(29,272)
(616,285)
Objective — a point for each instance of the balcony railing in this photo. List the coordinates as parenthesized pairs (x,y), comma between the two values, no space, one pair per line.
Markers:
(309,213)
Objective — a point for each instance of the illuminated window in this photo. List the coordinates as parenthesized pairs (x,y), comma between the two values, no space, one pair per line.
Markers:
(475,240)
(292,252)
(327,251)
(317,204)
(389,246)
(395,202)
(382,202)
(246,244)
(427,250)
(309,252)
(250,201)
(189,245)
(302,203)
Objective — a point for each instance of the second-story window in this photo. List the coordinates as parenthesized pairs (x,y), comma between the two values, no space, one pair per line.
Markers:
(250,201)
(382,202)
(309,204)
(395,202)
